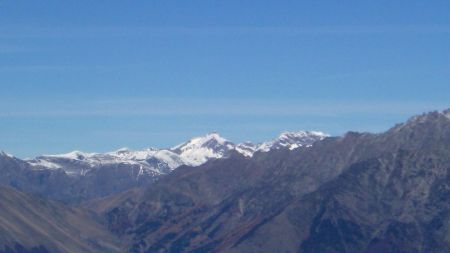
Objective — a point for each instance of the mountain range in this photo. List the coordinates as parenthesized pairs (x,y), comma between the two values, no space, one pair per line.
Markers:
(360,192)
(91,175)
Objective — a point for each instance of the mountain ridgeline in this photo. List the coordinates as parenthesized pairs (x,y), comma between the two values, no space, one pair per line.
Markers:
(304,192)
(362,192)
(78,176)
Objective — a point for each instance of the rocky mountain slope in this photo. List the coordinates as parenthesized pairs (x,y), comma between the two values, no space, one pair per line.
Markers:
(361,192)
(79,176)
(32,224)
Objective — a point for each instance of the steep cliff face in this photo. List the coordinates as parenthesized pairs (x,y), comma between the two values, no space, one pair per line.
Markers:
(356,193)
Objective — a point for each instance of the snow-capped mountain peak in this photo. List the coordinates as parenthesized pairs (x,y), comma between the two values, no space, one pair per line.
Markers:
(202,141)
(292,140)
(152,161)
(200,149)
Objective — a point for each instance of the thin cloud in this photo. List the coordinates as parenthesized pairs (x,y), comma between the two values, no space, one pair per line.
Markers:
(33,68)
(232,108)
(7,49)
(65,68)
(16,31)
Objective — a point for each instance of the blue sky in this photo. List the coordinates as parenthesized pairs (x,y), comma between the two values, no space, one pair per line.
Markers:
(100,75)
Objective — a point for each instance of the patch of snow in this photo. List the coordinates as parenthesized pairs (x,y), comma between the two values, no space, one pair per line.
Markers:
(126,154)
(247,148)
(292,140)
(43,163)
(141,172)
(446,113)
(198,156)
(3,153)
(172,159)
(74,155)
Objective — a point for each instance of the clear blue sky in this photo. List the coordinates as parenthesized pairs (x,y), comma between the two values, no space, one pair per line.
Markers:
(100,75)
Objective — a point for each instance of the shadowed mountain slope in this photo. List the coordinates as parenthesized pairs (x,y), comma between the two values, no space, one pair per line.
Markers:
(357,193)
(32,224)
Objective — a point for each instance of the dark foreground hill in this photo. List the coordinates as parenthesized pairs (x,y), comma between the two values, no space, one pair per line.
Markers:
(30,224)
(386,192)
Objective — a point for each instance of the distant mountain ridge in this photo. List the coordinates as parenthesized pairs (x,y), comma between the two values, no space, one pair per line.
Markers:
(79,176)
(153,161)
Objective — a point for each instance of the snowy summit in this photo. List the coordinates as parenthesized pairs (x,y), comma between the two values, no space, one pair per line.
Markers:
(153,161)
